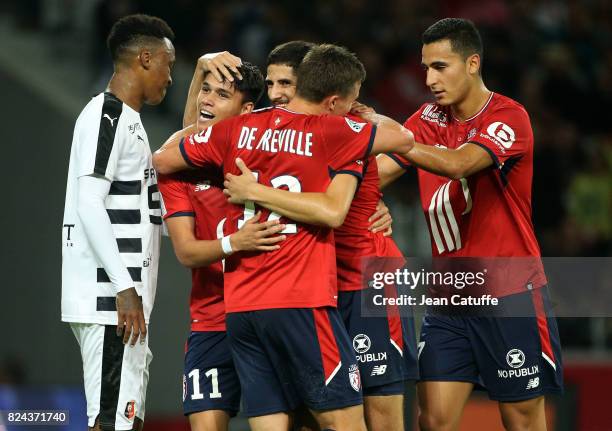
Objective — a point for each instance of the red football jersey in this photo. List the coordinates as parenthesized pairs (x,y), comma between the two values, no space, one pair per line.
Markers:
(199,194)
(286,150)
(354,242)
(489,213)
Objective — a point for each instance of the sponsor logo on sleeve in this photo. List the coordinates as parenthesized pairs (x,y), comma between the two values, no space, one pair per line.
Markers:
(501,133)
(355,126)
(203,136)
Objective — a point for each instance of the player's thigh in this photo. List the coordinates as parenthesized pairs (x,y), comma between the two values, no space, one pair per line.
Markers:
(343,419)
(380,345)
(313,354)
(271,422)
(524,415)
(115,376)
(209,420)
(384,413)
(265,389)
(445,350)
(441,404)
(210,380)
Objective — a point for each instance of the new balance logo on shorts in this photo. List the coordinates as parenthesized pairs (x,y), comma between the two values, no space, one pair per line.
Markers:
(533,383)
(378,370)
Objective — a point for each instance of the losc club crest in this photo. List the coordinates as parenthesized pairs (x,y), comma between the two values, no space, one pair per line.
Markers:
(130,409)
(355,377)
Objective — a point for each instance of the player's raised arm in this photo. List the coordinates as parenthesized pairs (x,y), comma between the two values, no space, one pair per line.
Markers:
(222,65)
(322,209)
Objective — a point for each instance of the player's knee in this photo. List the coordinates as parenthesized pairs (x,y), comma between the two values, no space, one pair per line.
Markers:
(429,421)
(518,420)
(523,416)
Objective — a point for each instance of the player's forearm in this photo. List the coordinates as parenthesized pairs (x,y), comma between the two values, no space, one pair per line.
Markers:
(450,163)
(191,109)
(391,136)
(197,253)
(99,231)
(311,208)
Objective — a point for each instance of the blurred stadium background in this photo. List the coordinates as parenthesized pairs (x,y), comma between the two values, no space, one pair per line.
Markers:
(553,56)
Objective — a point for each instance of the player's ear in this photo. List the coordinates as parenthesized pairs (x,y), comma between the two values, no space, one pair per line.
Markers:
(473,63)
(145,58)
(247,108)
(330,102)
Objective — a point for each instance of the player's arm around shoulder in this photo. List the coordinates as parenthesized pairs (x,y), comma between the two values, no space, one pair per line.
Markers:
(322,209)
(391,136)
(168,158)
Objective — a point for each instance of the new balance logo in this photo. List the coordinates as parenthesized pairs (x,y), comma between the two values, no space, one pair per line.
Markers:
(533,383)
(200,187)
(379,370)
(110,120)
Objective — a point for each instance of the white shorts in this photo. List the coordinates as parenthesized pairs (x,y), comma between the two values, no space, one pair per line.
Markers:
(115,375)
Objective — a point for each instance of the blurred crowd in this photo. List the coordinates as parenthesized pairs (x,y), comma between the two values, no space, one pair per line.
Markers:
(553,56)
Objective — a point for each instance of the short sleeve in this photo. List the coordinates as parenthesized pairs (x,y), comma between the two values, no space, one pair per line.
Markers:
(98,144)
(414,124)
(209,146)
(175,196)
(348,143)
(505,134)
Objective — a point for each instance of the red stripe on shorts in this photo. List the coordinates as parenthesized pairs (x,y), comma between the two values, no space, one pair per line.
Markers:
(330,355)
(538,303)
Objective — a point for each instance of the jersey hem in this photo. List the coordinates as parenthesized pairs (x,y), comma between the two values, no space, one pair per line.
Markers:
(276,305)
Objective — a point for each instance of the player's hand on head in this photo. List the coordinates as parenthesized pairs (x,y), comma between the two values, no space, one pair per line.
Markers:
(222,65)
(130,316)
(381,220)
(256,236)
(237,186)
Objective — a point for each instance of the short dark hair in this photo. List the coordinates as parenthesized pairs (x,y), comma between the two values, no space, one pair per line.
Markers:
(132,30)
(251,85)
(328,69)
(462,33)
(290,53)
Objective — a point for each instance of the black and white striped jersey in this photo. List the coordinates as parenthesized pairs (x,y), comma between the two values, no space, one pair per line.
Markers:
(109,141)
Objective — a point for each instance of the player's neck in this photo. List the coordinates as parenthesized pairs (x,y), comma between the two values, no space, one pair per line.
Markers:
(127,89)
(474,101)
(297,104)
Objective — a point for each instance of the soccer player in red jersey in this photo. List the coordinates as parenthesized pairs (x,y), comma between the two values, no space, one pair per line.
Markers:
(385,346)
(286,335)
(195,210)
(474,155)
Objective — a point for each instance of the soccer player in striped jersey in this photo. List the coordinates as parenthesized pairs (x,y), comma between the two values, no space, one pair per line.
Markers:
(111,226)
(474,155)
